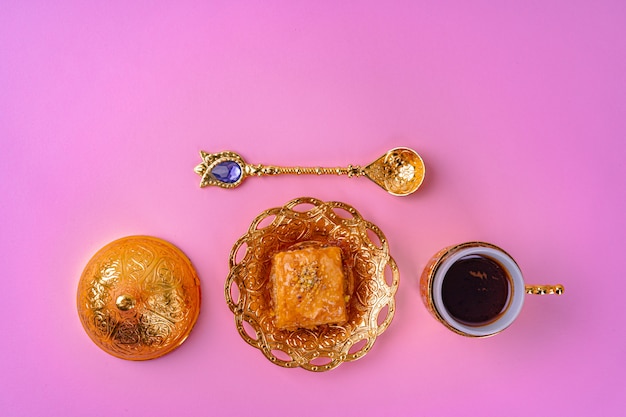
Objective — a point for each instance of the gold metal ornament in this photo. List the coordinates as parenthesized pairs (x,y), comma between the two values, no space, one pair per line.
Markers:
(138,298)
(400,171)
(373,282)
(557,289)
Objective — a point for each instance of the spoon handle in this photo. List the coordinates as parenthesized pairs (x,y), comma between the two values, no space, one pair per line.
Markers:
(228,169)
(545,289)
(259,170)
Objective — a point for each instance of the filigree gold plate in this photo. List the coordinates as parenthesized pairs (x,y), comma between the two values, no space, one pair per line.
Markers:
(373,284)
(138,298)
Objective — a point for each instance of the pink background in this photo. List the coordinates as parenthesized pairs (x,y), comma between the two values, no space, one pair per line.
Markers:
(518,109)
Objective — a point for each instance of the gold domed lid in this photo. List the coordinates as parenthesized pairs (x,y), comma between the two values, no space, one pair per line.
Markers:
(138,298)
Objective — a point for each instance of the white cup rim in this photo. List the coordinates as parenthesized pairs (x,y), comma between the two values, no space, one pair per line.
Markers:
(516,296)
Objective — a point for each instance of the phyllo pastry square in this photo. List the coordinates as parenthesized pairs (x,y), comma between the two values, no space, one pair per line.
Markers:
(308,288)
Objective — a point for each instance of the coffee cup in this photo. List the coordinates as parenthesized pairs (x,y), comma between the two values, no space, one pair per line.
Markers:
(476,289)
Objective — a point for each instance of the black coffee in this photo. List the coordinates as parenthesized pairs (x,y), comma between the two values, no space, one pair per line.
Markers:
(475,289)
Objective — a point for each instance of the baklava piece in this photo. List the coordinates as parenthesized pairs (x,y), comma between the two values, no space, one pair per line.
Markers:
(308,288)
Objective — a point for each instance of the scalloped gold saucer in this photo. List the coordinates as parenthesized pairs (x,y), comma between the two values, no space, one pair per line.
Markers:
(365,252)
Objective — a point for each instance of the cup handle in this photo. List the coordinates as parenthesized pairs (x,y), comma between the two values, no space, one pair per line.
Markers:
(545,289)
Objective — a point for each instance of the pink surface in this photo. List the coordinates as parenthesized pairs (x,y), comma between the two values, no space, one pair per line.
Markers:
(518,109)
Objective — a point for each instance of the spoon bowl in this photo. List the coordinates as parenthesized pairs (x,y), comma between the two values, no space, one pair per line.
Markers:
(400,171)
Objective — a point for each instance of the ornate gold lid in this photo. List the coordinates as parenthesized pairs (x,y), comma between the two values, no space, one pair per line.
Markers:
(138,298)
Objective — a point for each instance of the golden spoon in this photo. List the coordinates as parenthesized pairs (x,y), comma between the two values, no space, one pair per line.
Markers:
(400,171)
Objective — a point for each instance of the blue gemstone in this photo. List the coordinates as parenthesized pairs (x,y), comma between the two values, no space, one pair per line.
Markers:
(228,172)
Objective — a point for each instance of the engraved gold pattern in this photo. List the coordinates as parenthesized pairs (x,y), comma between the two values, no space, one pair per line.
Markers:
(369,293)
(138,298)
(400,171)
